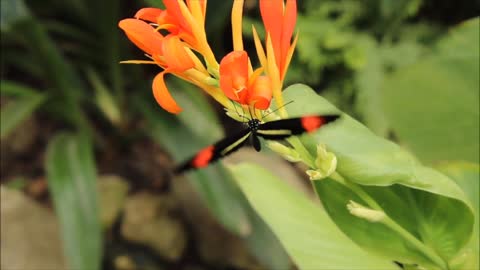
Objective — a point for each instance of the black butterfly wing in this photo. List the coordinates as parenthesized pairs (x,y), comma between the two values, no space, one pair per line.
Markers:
(213,152)
(284,128)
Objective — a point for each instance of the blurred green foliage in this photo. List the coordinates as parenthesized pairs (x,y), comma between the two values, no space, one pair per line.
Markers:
(394,65)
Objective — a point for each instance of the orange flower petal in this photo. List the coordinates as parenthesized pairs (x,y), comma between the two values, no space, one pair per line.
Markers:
(272,15)
(288,25)
(143,35)
(149,14)
(162,95)
(234,74)
(260,94)
(175,55)
(173,9)
(279,23)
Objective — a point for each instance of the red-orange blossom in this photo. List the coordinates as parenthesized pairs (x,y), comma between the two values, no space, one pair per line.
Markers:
(233,79)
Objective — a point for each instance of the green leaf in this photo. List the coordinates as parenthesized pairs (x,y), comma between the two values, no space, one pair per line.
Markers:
(14,89)
(62,80)
(368,81)
(104,99)
(265,245)
(71,179)
(308,234)
(424,202)
(432,105)
(18,109)
(467,176)
(11,12)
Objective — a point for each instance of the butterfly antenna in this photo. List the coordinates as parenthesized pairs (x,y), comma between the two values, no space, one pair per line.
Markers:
(291,101)
(240,115)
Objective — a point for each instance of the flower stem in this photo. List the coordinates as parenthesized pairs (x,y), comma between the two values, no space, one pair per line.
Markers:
(300,148)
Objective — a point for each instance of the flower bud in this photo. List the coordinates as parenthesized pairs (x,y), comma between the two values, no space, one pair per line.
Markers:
(361,211)
(326,162)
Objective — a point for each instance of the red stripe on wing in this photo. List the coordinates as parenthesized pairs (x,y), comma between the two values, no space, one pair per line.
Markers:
(311,123)
(202,159)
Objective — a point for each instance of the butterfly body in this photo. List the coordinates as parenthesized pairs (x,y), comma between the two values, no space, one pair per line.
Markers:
(274,130)
(253,125)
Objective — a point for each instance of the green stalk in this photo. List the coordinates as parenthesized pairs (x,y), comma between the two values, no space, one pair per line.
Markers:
(307,158)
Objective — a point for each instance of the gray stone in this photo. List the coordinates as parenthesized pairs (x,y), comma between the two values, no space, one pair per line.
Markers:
(148,220)
(215,245)
(113,193)
(29,234)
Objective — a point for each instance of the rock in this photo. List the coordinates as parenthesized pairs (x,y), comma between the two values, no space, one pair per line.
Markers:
(147,220)
(112,192)
(124,263)
(37,187)
(29,234)
(215,245)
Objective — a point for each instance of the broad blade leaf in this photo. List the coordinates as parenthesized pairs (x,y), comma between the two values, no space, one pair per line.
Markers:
(424,202)
(467,176)
(306,231)
(72,182)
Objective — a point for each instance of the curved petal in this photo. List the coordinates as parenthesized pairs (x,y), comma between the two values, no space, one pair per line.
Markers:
(288,25)
(272,17)
(143,35)
(260,94)
(234,74)
(175,55)
(173,9)
(149,14)
(162,96)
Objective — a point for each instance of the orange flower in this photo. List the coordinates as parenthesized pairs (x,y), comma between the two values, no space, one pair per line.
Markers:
(279,20)
(238,85)
(170,19)
(185,20)
(167,52)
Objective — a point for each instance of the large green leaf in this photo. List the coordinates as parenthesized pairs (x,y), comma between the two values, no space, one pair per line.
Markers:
(426,203)
(307,233)
(467,176)
(265,245)
(433,105)
(18,109)
(71,179)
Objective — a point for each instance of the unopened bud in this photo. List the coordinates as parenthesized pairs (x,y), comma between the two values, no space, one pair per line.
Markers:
(361,211)
(326,162)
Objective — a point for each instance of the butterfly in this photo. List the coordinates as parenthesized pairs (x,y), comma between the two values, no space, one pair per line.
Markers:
(273,130)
